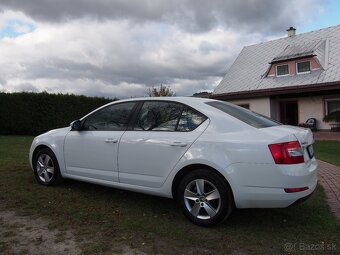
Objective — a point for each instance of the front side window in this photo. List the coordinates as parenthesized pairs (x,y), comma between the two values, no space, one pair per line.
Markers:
(251,118)
(111,118)
(282,70)
(303,67)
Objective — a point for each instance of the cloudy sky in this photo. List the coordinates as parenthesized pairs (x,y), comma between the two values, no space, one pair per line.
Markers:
(120,48)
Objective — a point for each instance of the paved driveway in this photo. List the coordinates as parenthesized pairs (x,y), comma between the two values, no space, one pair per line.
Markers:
(329,178)
(327,135)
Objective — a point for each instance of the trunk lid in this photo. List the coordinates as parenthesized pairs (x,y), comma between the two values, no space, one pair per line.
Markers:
(285,133)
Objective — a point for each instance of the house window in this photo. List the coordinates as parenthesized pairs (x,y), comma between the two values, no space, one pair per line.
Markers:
(303,67)
(244,106)
(282,70)
(332,105)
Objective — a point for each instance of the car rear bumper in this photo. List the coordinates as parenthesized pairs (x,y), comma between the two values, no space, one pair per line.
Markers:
(256,197)
(303,199)
(264,186)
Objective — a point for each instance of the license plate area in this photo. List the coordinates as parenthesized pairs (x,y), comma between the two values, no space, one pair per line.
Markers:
(310,151)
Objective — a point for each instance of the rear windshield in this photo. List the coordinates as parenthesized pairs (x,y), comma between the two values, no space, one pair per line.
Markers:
(251,118)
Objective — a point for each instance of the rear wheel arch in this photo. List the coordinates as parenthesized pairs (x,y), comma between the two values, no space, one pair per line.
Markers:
(204,195)
(190,168)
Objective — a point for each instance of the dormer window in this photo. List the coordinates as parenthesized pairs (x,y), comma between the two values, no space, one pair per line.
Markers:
(282,70)
(303,67)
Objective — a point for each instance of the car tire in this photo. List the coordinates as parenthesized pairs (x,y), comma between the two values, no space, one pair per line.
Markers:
(46,168)
(205,197)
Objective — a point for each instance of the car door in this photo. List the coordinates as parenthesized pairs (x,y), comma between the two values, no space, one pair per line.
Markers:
(162,133)
(92,151)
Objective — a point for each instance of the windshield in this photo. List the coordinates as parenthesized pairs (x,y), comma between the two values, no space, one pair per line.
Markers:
(251,118)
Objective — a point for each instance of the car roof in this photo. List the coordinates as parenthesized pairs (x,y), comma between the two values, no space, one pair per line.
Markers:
(194,102)
(174,99)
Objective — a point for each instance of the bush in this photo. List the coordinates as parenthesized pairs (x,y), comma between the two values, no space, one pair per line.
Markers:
(332,117)
(35,113)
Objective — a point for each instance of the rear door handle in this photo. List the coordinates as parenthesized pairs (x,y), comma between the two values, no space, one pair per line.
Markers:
(111,140)
(178,144)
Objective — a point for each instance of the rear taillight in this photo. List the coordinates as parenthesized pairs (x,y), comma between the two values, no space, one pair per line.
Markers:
(287,153)
(294,190)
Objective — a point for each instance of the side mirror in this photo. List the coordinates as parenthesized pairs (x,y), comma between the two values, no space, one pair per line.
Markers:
(76,125)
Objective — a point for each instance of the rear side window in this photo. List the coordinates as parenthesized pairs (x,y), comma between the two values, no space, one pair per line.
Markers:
(247,116)
(158,116)
(167,116)
(190,120)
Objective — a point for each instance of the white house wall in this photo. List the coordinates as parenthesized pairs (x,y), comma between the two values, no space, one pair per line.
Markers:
(312,107)
(308,107)
(260,105)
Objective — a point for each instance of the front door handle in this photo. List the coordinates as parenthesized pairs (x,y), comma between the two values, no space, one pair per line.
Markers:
(111,140)
(178,144)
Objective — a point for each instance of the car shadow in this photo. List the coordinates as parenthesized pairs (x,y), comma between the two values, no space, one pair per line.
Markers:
(267,218)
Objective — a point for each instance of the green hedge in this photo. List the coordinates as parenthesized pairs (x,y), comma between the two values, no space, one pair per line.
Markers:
(35,113)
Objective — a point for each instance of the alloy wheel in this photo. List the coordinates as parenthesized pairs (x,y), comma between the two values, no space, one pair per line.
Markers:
(202,199)
(45,168)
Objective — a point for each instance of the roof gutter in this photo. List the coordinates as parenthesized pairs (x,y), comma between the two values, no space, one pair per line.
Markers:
(285,59)
(278,91)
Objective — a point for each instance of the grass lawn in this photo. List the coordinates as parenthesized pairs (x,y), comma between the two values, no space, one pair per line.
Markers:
(102,218)
(328,151)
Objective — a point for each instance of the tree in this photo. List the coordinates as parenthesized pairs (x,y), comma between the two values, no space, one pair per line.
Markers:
(162,91)
(203,94)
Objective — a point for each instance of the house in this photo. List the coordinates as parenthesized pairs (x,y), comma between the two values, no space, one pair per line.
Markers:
(289,79)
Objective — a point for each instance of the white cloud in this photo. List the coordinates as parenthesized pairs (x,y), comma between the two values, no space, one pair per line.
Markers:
(9,15)
(114,54)
(122,56)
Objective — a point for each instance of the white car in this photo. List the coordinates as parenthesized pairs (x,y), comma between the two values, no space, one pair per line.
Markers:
(210,155)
